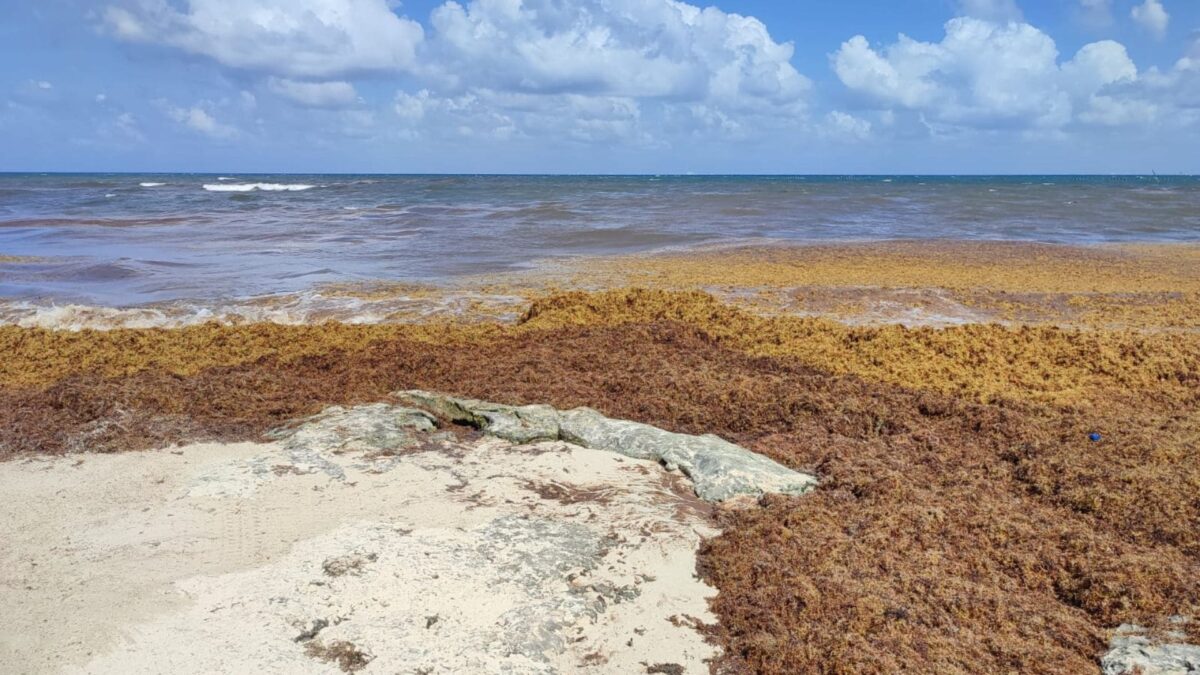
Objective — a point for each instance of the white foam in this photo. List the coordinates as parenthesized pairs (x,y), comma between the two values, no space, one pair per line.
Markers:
(310,307)
(250,187)
(224,178)
(151,184)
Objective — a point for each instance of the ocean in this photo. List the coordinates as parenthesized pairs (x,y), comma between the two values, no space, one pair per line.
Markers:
(122,240)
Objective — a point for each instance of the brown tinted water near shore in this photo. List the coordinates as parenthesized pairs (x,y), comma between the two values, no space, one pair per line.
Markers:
(965,522)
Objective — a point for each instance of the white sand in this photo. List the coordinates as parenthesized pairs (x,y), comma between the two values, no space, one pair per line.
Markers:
(218,557)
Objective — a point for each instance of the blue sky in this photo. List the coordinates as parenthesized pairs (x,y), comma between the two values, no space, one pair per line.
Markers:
(601,86)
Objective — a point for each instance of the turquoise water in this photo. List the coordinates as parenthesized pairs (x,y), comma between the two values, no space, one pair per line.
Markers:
(123,239)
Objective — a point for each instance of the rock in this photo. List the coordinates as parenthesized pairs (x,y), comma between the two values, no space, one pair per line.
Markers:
(378,431)
(517,424)
(719,470)
(1133,651)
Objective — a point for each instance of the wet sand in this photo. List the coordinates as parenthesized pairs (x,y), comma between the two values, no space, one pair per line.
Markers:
(965,520)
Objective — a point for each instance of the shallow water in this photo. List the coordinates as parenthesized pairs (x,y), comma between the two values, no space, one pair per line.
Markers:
(126,239)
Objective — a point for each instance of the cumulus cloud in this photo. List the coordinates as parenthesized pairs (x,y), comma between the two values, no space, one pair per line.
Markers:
(467,115)
(499,115)
(199,120)
(1096,65)
(1152,16)
(1177,88)
(631,48)
(499,68)
(625,71)
(840,125)
(292,38)
(315,94)
(988,75)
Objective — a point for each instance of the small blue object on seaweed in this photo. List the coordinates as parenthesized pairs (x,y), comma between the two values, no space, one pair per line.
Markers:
(1094,437)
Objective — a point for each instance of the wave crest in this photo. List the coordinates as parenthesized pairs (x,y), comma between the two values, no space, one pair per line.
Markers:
(251,187)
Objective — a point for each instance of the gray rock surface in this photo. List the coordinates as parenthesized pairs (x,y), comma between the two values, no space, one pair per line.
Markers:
(517,424)
(378,431)
(719,470)
(1133,651)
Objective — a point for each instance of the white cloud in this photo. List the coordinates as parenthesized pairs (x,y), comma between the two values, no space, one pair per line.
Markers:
(600,71)
(1114,111)
(1096,65)
(988,75)
(42,84)
(1178,88)
(294,38)
(198,119)
(840,125)
(632,48)
(500,68)
(1152,16)
(485,113)
(991,10)
(315,94)
(468,115)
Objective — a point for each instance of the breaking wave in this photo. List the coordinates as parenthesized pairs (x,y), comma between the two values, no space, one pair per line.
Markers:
(251,187)
(311,307)
(151,184)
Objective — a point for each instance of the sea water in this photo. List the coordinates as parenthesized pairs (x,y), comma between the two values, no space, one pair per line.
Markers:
(123,240)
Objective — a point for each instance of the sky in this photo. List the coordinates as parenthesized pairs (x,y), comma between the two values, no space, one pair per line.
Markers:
(601,86)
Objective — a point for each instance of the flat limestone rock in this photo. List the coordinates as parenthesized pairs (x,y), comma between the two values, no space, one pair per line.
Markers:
(519,424)
(719,470)
(1132,651)
(360,539)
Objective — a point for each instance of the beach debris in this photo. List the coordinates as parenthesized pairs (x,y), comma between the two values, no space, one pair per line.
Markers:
(719,470)
(348,657)
(1133,650)
(1094,437)
(311,629)
(351,563)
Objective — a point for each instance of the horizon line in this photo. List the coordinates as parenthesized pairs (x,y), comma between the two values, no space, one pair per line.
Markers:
(1152,174)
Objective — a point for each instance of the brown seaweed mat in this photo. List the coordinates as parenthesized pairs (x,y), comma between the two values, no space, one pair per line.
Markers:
(965,521)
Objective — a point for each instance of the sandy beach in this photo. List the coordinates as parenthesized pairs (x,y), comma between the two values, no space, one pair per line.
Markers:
(344,545)
(1004,438)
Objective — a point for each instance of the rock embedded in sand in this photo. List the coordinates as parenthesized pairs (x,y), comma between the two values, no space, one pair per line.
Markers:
(518,424)
(719,470)
(1134,651)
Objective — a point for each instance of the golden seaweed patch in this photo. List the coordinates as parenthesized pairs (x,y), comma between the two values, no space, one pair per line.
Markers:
(983,361)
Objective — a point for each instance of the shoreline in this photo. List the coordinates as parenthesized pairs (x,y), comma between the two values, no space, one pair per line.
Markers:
(915,282)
